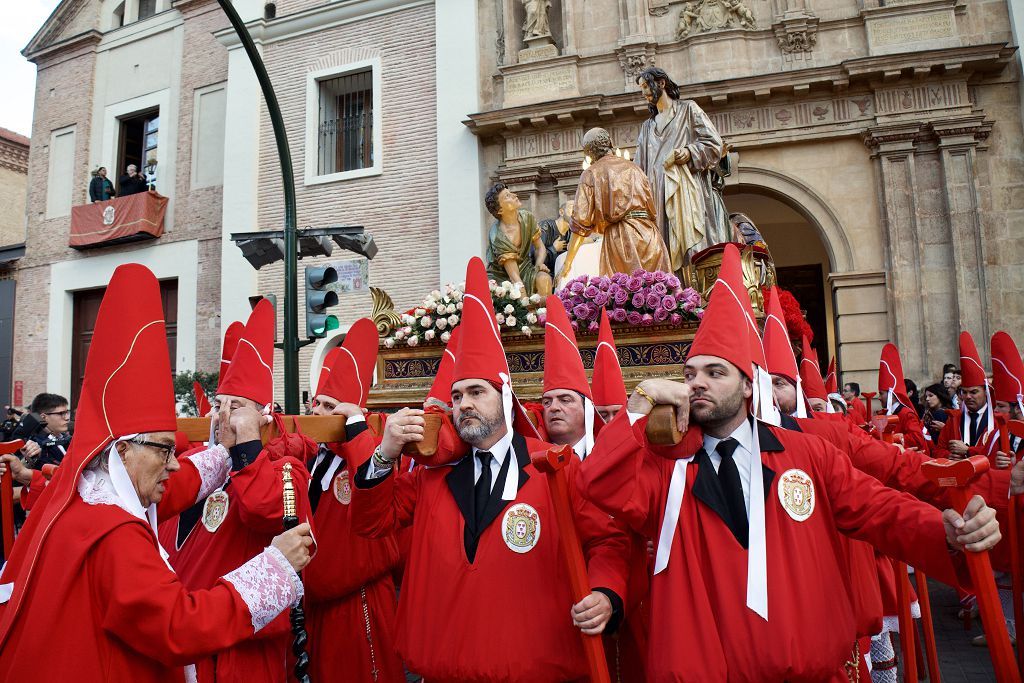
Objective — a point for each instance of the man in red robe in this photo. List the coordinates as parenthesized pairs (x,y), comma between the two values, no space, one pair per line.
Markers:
(893,390)
(746,513)
(87,571)
(350,595)
(964,432)
(485,595)
(247,510)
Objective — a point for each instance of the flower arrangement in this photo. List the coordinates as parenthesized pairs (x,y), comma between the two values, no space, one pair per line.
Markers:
(641,298)
(435,318)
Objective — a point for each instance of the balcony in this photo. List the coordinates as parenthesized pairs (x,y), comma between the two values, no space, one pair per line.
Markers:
(120,220)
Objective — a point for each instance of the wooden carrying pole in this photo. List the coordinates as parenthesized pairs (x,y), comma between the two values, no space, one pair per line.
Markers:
(552,463)
(927,627)
(908,641)
(322,429)
(7,498)
(957,476)
(1016,589)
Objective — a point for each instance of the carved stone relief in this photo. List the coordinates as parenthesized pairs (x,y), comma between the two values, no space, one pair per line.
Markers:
(702,16)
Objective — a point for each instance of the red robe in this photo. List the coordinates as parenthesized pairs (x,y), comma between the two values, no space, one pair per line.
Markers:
(103,606)
(701,629)
(349,591)
(951,431)
(858,411)
(506,616)
(253,518)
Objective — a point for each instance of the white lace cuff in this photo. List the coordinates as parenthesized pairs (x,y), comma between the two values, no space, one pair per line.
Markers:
(268,585)
(213,465)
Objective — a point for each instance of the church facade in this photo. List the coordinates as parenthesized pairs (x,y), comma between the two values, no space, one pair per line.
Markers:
(876,144)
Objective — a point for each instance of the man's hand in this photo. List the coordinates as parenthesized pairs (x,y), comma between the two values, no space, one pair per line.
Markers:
(591,614)
(1002,460)
(976,530)
(31,449)
(662,391)
(957,448)
(405,426)
(238,425)
(559,245)
(1017,478)
(294,545)
(348,410)
(682,156)
(936,425)
(543,268)
(20,473)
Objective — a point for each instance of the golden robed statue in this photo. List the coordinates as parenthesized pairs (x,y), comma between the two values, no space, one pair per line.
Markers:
(614,199)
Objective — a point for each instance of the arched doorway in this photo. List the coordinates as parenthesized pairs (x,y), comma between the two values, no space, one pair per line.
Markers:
(802,261)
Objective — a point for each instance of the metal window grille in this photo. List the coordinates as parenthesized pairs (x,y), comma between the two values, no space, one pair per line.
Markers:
(346,123)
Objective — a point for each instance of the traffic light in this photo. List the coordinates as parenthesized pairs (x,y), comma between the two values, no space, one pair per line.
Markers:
(318,300)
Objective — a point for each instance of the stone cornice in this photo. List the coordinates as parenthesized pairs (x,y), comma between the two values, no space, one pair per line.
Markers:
(88,39)
(315,20)
(868,73)
(13,156)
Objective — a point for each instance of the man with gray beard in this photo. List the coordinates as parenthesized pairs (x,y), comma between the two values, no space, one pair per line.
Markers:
(485,596)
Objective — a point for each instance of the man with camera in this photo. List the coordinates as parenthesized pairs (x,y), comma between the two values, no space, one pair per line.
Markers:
(45,430)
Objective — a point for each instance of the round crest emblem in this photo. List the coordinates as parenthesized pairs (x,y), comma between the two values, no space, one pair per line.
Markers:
(796,493)
(108,215)
(215,510)
(343,488)
(521,528)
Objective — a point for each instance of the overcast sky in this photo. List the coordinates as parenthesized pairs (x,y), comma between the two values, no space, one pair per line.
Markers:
(21,20)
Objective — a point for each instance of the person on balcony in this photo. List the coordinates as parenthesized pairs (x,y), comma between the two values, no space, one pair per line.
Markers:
(132,182)
(100,187)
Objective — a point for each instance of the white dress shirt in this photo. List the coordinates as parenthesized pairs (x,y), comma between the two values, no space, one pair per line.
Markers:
(741,456)
(500,451)
(580,448)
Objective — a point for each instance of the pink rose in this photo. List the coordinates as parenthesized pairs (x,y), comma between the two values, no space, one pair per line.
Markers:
(602,299)
(618,315)
(661,315)
(576,287)
(653,300)
(647,319)
(590,292)
(659,276)
(638,300)
(672,281)
(634,284)
(621,296)
(633,318)
(659,288)
(675,319)
(593,327)
(580,311)
(669,303)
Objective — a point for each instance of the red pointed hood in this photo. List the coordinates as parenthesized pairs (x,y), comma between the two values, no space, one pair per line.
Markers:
(810,373)
(720,331)
(778,351)
(972,372)
(484,358)
(231,337)
(127,390)
(352,371)
(831,380)
(325,370)
(251,373)
(890,377)
(202,402)
(1007,370)
(441,389)
(607,384)
(563,367)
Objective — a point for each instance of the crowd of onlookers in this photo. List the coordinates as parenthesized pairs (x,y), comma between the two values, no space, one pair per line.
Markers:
(132,182)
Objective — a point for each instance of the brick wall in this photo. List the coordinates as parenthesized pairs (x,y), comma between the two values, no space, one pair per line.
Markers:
(398,207)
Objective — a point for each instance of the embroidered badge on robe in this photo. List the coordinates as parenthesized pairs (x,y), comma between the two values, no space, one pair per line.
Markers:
(521,527)
(215,510)
(796,493)
(343,488)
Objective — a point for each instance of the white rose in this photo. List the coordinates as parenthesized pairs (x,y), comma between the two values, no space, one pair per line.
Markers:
(436,294)
(542,311)
(429,335)
(407,330)
(442,309)
(524,302)
(500,318)
(399,335)
(511,321)
(389,343)
(446,336)
(414,341)
(459,306)
(441,323)
(419,311)
(526,330)
(531,318)
(509,309)
(506,284)
(408,319)
(426,321)
(453,319)
(535,299)
(457,295)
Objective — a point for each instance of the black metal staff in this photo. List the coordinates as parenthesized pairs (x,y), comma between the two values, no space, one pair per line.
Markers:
(298,615)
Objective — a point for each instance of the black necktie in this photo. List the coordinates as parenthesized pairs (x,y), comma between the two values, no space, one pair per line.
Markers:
(482,489)
(729,476)
(315,487)
(974,428)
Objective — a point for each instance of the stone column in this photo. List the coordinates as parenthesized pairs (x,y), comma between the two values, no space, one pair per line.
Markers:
(958,143)
(893,148)
(862,324)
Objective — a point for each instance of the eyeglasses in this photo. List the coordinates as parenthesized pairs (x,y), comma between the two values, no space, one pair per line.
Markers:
(62,413)
(166,450)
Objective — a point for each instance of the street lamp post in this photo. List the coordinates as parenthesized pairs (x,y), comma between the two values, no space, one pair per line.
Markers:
(291,268)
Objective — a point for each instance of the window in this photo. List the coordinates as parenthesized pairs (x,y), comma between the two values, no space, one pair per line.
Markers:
(138,142)
(117,19)
(208,136)
(61,177)
(147,8)
(346,123)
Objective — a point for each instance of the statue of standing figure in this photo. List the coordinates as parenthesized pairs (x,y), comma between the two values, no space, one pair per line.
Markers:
(679,149)
(536,23)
